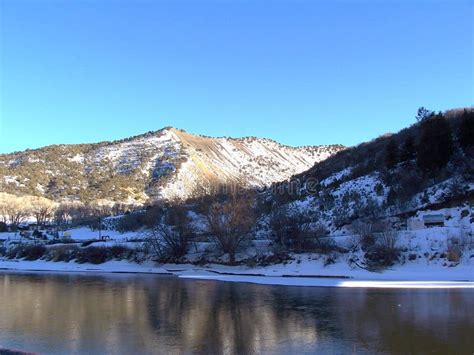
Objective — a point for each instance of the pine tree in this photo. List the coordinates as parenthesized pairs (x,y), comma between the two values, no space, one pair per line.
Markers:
(436,144)
(423,114)
(391,154)
(466,130)
(408,150)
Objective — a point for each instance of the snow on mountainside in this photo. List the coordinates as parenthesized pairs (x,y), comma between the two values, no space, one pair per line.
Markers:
(385,179)
(166,164)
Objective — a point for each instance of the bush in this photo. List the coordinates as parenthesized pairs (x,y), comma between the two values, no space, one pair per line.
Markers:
(278,256)
(134,221)
(453,255)
(60,241)
(364,232)
(120,252)
(3,227)
(130,222)
(297,233)
(379,189)
(38,235)
(11,253)
(387,239)
(30,252)
(64,253)
(92,255)
(381,257)
(169,240)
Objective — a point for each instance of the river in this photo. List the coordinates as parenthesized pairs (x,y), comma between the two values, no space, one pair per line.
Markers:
(147,314)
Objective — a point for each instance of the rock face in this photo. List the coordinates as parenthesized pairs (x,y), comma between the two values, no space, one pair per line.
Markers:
(166,164)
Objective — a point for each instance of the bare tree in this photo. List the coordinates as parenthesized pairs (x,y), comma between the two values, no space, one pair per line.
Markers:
(14,209)
(42,209)
(231,221)
(388,238)
(68,211)
(364,232)
(62,214)
(169,239)
(278,223)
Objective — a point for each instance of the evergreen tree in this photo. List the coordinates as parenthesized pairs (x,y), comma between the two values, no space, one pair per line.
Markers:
(391,154)
(466,130)
(423,114)
(436,144)
(408,150)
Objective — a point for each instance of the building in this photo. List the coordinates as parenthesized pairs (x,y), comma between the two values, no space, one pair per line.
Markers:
(433,220)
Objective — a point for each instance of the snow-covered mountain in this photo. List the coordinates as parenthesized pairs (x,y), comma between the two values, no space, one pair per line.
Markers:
(166,164)
(387,177)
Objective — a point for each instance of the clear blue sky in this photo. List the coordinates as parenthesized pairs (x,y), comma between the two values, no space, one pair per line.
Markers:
(301,72)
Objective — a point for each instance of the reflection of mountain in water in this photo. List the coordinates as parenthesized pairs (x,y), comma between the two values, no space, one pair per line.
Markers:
(92,314)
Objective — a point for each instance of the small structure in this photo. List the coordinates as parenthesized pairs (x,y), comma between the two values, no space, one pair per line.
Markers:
(433,220)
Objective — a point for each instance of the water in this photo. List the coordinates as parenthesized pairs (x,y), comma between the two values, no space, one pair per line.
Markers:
(109,314)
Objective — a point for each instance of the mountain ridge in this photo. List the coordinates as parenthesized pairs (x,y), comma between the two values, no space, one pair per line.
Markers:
(153,132)
(165,164)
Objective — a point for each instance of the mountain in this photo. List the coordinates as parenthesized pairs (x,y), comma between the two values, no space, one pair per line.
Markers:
(166,164)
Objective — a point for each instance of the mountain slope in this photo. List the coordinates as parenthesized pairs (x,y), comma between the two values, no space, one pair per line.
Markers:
(165,164)
(385,177)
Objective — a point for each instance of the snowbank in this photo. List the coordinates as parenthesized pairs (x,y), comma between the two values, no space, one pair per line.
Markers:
(107,267)
(303,273)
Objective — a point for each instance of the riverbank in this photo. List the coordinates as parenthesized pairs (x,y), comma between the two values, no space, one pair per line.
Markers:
(308,272)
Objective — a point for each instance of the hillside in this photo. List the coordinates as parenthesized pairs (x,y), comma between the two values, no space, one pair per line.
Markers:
(427,166)
(166,164)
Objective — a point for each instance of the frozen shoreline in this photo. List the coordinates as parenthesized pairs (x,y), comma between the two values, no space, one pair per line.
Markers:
(305,274)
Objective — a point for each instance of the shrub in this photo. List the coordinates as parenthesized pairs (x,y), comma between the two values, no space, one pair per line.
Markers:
(169,240)
(134,221)
(380,257)
(278,256)
(64,253)
(387,239)
(379,190)
(12,252)
(3,227)
(453,255)
(364,231)
(321,242)
(92,255)
(120,252)
(32,252)
(329,260)
(60,241)
(130,222)
(294,232)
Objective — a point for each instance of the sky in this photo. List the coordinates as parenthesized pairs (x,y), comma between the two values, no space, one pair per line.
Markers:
(300,72)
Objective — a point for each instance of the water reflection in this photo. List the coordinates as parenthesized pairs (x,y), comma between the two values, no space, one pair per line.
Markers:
(151,314)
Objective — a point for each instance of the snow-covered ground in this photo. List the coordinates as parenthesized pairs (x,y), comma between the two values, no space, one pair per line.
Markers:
(305,271)
(121,266)
(85,233)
